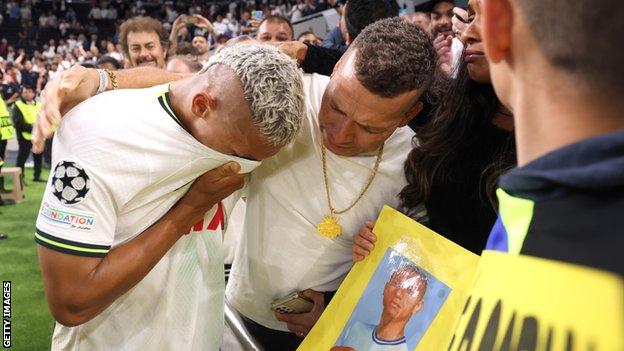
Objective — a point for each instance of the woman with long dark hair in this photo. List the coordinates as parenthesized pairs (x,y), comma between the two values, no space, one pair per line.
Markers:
(459,155)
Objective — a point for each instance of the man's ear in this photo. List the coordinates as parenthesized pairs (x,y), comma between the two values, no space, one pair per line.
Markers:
(202,104)
(497,26)
(348,39)
(413,112)
(418,307)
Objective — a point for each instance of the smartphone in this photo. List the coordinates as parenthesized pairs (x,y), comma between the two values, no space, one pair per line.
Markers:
(190,20)
(257,15)
(293,303)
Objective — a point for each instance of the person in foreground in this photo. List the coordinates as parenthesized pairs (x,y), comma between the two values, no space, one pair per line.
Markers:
(566,198)
(403,296)
(118,270)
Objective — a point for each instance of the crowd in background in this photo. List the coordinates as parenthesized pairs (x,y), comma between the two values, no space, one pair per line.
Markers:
(53,36)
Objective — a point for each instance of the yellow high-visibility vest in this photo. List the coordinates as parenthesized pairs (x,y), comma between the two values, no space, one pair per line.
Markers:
(6,126)
(30,115)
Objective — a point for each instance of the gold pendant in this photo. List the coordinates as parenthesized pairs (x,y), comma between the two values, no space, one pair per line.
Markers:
(329,227)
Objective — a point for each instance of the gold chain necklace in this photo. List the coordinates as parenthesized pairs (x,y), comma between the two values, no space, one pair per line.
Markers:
(329,227)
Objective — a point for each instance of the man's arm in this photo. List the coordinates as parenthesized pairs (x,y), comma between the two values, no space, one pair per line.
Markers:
(78,84)
(79,288)
(320,60)
(311,58)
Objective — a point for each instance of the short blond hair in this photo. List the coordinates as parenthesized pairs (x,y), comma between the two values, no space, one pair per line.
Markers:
(272,85)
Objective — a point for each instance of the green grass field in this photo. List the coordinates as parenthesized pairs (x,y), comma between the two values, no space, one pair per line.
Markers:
(31,321)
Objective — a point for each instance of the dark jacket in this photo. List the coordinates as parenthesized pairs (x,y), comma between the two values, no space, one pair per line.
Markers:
(567,205)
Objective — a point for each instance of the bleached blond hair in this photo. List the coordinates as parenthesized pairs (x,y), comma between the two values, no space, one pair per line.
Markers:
(272,85)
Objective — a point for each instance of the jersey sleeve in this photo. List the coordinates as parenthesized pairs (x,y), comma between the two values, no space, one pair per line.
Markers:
(78,214)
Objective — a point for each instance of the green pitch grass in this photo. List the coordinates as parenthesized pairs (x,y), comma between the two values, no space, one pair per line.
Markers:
(31,322)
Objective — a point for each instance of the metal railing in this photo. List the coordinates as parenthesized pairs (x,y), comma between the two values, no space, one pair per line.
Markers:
(235,323)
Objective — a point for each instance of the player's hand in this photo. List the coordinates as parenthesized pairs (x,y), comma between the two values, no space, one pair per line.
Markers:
(59,96)
(442,46)
(302,323)
(364,242)
(294,49)
(207,190)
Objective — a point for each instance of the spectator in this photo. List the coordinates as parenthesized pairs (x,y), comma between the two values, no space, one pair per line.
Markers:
(144,42)
(357,14)
(335,38)
(111,51)
(201,44)
(70,15)
(28,77)
(245,24)
(441,15)
(184,64)
(180,32)
(448,47)
(95,13)
(9,88)
(185,48)
(25,12)
(423,20)
(42,80)
(4,44)
(108,62)
(220,25)
(275,29)
(48,21)
(310,38)
(64,27)
(13,10)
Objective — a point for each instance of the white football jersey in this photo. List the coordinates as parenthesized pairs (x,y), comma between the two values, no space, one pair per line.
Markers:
(121,160)
(363,337)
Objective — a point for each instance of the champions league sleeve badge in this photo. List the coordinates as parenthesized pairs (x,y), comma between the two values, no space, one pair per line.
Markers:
(70,183)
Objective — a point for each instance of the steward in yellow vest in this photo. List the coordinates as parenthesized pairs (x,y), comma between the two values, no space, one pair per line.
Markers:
(6,126)
(24,116)
(6,132)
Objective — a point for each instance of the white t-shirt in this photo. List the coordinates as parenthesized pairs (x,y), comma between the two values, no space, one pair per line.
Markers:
(280,250)
(121,160)
(362,337)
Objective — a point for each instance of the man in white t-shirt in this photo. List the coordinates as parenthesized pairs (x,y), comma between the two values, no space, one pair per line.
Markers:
(403,296)
(357,121)
(118,270)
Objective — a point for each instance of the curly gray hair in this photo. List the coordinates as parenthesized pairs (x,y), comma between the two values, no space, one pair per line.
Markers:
(273,86)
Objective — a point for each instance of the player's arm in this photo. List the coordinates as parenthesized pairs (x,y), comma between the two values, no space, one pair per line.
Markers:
(78,84)
(79,288)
